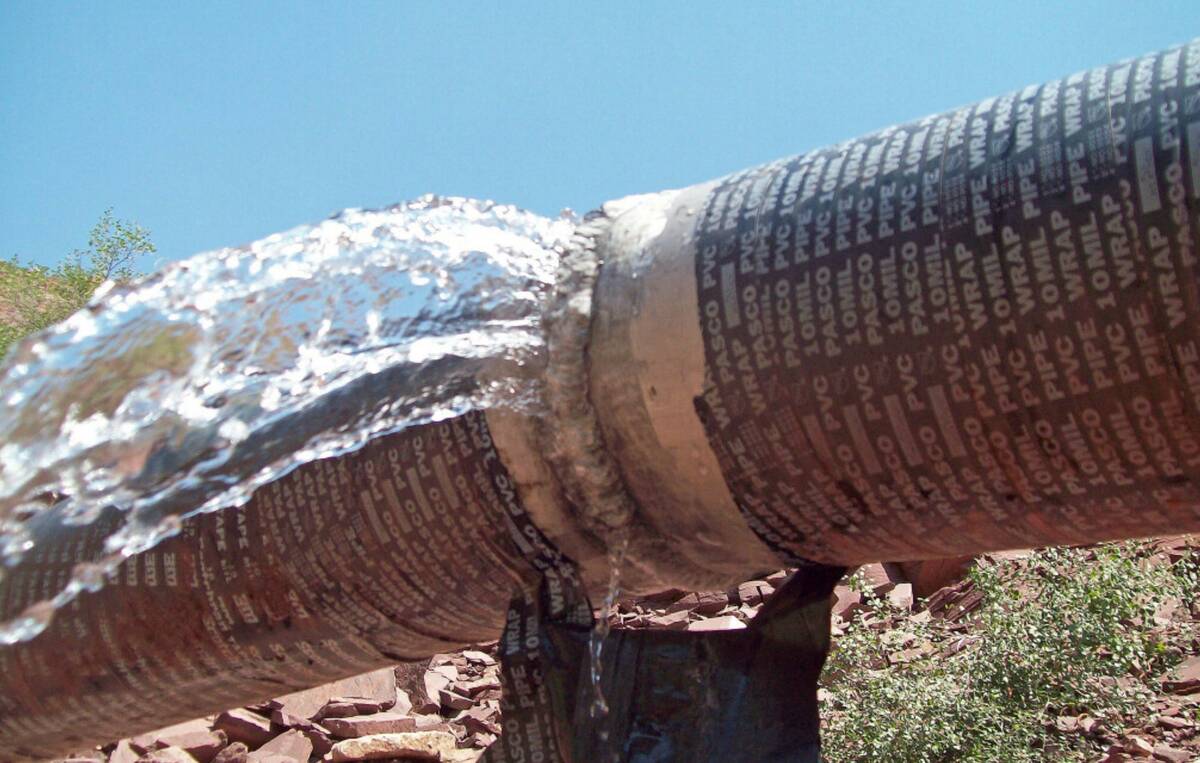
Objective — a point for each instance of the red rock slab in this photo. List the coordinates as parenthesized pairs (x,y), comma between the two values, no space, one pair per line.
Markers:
(722,623)
(201,745)
(475,688)
(431,722)
(241,725)
(378,685)
(676,621)
(410,678)
(478,722)
(1184,678)
(123,753)
(420,745)
(931,574)
(901,597)
(846,602)
(701,602)
(1171,754)
(364,725)
(453,700)
(754,592)
(881,578)
(158,739)
(336,709)
(290,744)
(483,658)
(778,577)
(237,752)
(286,721)
(167,755)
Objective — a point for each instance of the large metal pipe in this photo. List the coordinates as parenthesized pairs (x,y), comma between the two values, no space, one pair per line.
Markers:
(970,332)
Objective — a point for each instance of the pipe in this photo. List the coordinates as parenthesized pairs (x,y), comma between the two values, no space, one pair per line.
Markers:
(971,332)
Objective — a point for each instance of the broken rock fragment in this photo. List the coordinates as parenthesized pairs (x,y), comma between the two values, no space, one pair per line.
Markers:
(431,722)
(481,740)
(722,623)
(475,688)
(290,744)
(167,736)
(1139,747)
(237,752)
(420,683)
(365,725)
(378,687)
(336,708)
(123,753)
(1171,754)
(881,578)
(754,592)
(1185,678)
(167,755)
(477,721)
(316,733)
(201,745)
(702,603)
(476,656)
(846,602)
(241,725)
(364,705)
(778,577)
(1174,723)
(432,682)
(901,597)
(453,700)
(929,575)
(676,621)
(418,745)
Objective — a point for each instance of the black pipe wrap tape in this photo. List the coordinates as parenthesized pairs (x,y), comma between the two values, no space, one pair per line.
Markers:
(973,331)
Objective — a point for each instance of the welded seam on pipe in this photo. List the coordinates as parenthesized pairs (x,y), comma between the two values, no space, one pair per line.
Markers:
(570,434)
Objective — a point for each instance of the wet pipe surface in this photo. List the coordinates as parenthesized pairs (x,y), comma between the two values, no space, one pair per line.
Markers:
(411,546)
(343,565)
(969,332)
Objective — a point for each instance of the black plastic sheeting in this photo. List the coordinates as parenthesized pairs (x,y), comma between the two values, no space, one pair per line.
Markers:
(746,694)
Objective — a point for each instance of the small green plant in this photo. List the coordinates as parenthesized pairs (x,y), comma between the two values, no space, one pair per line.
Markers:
(33,297)
(1064,633)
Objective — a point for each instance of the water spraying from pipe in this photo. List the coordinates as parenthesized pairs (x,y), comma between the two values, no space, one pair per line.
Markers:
(401,431)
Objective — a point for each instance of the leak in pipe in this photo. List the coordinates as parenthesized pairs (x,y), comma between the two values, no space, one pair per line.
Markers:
(971,332)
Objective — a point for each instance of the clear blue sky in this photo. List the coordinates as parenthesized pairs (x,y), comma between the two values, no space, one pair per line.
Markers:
(214,124)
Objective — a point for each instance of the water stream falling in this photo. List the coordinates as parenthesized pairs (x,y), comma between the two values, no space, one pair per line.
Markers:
(598,709)
(186,391)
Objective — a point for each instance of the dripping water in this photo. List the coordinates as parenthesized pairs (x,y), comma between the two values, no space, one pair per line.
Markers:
(598,708)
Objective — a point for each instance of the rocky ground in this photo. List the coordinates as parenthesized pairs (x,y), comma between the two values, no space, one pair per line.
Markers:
(448,709)
(1164,724)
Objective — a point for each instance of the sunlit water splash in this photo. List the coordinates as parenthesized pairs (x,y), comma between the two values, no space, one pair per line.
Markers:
(185,392)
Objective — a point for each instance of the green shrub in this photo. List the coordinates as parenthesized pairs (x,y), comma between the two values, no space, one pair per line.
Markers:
(1066,632)
(33,297)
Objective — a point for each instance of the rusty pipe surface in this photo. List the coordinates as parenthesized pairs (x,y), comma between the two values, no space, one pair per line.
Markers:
(971,332)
